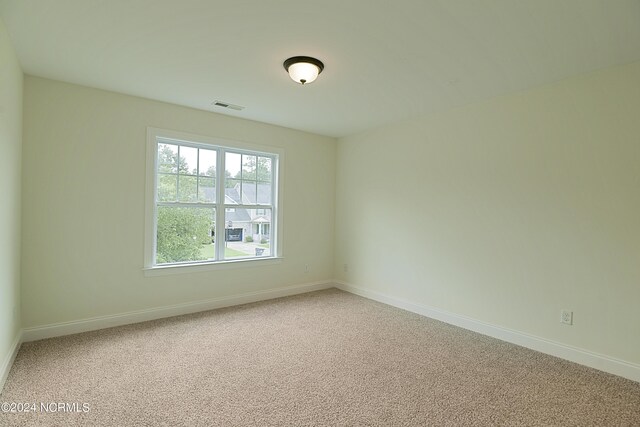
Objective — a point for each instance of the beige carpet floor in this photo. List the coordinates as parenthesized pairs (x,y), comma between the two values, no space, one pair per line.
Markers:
(323,358)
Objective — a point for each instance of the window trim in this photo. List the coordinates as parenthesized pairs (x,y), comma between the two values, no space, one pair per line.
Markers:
(188,139)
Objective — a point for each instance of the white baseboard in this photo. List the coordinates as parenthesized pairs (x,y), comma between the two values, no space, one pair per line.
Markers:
(584,357)
(101,322)
(7,363)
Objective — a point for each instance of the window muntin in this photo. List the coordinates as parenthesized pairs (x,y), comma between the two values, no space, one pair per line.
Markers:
(191,210)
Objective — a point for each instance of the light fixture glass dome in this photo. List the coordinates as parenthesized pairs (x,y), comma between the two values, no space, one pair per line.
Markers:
(303,69)
(303,72)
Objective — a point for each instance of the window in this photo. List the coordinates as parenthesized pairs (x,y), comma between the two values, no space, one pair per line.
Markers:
(209,202)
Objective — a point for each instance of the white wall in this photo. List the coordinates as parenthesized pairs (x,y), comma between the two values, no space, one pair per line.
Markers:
(11,146)
(83,211)
(526,204)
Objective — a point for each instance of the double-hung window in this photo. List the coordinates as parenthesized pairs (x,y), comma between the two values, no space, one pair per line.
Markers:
(211,202)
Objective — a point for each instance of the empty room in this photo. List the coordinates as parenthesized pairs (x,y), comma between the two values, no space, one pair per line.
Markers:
(337,213)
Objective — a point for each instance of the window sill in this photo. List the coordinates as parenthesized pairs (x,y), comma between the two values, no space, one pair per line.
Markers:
(164,270)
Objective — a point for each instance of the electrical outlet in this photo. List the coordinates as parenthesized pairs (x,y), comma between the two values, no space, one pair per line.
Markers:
(345,268)
(566,317)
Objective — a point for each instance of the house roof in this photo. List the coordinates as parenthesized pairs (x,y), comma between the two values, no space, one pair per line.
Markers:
(232,196)
(249,193)
(239,215)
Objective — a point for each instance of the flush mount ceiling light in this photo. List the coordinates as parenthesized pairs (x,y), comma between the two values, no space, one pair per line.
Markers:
(303,69)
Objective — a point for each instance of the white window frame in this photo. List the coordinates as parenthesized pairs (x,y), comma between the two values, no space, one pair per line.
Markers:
(222,146)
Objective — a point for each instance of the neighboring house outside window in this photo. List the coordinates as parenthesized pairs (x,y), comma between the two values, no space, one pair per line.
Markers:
(210,202)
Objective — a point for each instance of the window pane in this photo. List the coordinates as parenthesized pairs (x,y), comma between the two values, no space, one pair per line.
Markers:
(207,162)
(262,232)
(167,157)
(188,160)
(248,167)
(167,187)
(249,192)
(232,165)
(188,189)
(206,190)
(264,169)
(232,192)
(184,234)
(264,193)
(247,235)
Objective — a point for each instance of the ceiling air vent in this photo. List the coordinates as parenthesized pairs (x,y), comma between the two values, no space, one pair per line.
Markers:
(223,104)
